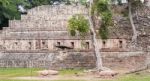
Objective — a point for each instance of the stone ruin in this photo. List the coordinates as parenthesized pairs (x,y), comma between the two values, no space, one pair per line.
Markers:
(37,40)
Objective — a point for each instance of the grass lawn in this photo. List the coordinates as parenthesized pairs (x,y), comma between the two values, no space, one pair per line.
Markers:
(7,73)
(16,72)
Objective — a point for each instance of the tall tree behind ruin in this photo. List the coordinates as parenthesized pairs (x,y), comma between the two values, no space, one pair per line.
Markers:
(99,10)
(9,8)
(98,56)
(133,4)
(134,37)
(75,25)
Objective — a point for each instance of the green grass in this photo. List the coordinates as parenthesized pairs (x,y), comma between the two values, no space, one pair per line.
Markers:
(38,80)
(16,80)
(7,73)
(134,77)
(15,72)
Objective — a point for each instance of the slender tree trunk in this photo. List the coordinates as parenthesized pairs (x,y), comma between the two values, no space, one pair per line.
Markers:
(134,37)
(136,12)
(98,56)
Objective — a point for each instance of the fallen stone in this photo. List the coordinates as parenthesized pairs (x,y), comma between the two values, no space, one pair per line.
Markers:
(48,72)
(108,73)
(53,72)
(43,73)
(148,71)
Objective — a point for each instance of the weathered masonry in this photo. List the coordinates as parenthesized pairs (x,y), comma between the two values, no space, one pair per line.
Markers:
(45,27)
(41,39)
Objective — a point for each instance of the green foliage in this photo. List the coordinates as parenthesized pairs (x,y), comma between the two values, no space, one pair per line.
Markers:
(40,2)
(68,2)
(101,7)
(106,18)
(103,31)
(106,22)
(78,24)
(9,10)
(83,2)
(3,2)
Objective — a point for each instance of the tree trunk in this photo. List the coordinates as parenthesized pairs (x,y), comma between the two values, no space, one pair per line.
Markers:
(134,37)
(98,56)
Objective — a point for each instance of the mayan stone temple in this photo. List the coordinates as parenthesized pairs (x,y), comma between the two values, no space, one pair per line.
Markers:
(41,39)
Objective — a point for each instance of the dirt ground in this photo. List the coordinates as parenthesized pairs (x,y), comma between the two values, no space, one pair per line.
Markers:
(59,77)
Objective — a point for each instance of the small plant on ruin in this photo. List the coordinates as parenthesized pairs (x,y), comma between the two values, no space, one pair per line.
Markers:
(78,24)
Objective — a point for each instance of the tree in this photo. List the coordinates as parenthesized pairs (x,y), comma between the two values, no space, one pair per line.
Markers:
(132,4)
(99,8)
(78,23)
(98,56)
(35,3)
(134,37)
(4,2)
(9,9)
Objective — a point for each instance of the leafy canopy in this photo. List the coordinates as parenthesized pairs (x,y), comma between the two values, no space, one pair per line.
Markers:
(39,2)
(101,8)
(9,10)
(78,23)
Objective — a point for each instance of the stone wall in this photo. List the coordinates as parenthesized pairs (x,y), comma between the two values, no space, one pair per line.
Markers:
(45,44)
(148,59)
(53,17)
(64,59)
(43,22)
(49,23)
(25,37)
(30,42)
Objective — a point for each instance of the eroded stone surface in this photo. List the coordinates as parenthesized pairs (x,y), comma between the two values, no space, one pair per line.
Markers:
(32,41)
